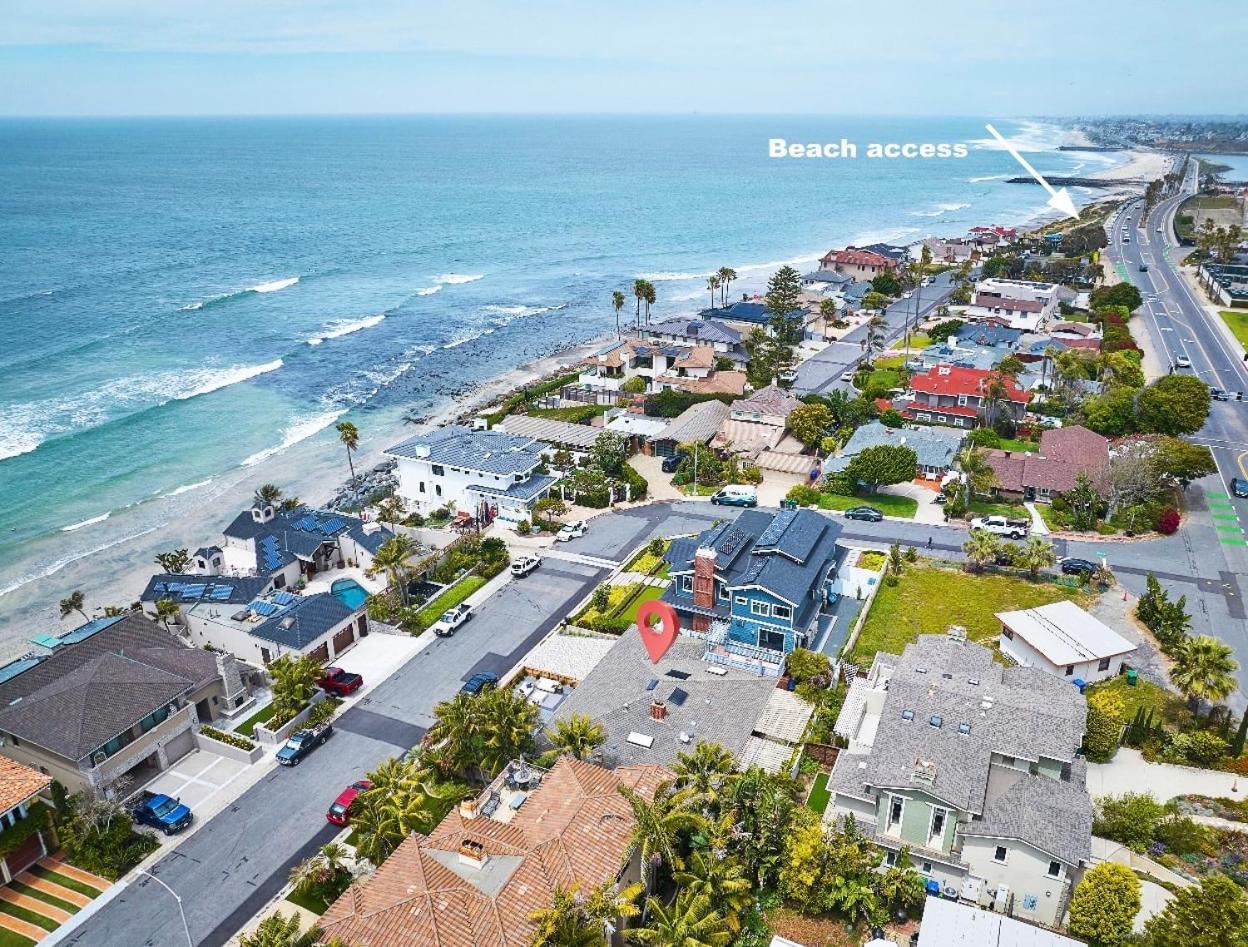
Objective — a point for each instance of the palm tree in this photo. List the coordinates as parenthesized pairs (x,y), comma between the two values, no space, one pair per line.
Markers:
(1204,669)
(712,284)
(721,878)
(576,920)
(705,771)
(657,827)
(617,303)
(873,341)
(349,434)
(577,735)
(981,548)
(827,309)
(278,931)
(112,611)
(900,885)
(978,473)
(726,276)
(507,724)
(174,562)
(321,868)
(293,682)
(74,602)
(405,797)
(692,921)
(393,558)
(267,494)
(650,297)
(166,611)
(639,293)
(1035,554)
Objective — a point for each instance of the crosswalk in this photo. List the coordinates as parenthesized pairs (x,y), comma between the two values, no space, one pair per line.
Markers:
(1225,519)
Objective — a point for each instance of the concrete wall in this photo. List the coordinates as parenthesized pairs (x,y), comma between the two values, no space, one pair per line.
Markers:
(267,737)
(213,745)
(1025,873)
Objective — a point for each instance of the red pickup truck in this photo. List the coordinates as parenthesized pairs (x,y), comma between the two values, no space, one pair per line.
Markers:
(340,682)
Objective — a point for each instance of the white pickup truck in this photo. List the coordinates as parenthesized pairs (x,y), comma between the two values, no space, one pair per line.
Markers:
(1002,526)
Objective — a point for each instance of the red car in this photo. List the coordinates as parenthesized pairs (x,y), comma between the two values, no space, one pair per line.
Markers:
(340,812)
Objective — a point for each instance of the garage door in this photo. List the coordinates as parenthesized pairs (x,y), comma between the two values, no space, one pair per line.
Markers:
(321,654)
(343,639)
(664,448)
(179,746)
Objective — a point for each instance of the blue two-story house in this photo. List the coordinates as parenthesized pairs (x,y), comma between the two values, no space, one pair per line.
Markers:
(755,585)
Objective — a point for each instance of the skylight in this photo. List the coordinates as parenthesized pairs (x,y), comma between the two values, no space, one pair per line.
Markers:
(907,715)
(964,728)
(936,720)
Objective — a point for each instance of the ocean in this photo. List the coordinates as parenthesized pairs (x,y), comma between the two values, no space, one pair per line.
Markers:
(188,306)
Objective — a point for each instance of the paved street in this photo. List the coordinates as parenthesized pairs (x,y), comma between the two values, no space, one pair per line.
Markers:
(823,372)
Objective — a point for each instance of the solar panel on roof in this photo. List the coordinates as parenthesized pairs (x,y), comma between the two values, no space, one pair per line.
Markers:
(332,526)
(679,675)
(775,529)
(652,684)
(283,598)
(678,697)
(263,608)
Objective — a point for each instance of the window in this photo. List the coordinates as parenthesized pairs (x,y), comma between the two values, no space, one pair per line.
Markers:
(439,471)
(437,489)
(759,608)
(723,592)
(771,638)
(1008,760)
(686,583)
(895,807)
(1103,665)
(781,611)
(1000,855)
(1070,669)
(964,728)
(907,715)
(926,868)
(1055,870)
(422,486)
(937,829)
(890,858)
(742,600)
(1006,633)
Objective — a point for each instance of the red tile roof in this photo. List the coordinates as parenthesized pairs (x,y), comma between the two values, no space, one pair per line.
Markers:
(993,300)
(1064,454)
(914,408)
(954,380)
(857,258)
(18,783)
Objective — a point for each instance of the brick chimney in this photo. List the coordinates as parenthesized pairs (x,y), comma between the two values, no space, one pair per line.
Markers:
(703,585)
(658,710)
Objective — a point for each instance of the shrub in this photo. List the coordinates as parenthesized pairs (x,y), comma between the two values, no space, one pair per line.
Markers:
(524,527)
(223,736)
(600,601)
(638,486)
(803,495)
(1200,748)
(323,712)
(1168,521)
(1104,904)
(1184,836)
(98,835)
(1131,819)
(1107,713)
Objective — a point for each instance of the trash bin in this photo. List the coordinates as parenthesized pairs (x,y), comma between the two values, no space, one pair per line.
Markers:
(1133,677)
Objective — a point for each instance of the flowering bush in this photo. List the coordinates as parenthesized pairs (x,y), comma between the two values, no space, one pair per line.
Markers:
(1168,521)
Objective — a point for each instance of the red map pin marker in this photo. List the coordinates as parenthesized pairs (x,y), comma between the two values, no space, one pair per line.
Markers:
(657,638)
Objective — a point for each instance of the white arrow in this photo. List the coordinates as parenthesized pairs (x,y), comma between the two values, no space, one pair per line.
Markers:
(1058,200)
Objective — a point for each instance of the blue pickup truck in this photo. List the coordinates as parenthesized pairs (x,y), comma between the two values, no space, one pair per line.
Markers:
(303,742)
(162,812)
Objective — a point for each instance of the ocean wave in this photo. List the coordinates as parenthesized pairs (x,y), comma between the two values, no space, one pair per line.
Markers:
(187,488)
(272,286)
(428,290)
(454,279)
(91,522)
(776,264)
(208,380)
(668,276)
(509,314)
(14,441)
(468,337)
(1030,137)
(299,430)
(939,210)
(341,327)
(988,177)
(57,565)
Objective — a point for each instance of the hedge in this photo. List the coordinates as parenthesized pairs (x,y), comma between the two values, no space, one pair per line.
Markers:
(448,599)
(637,484)
(230,739)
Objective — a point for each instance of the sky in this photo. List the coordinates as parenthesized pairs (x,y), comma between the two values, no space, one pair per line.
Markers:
(898,57)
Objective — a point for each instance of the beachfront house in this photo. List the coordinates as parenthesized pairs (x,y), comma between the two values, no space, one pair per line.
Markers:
(1019,304)
(959,397)
(973,767)
(1064,640)
(721,338)
(935,448)
(290,546)
(25,836)
(858,263)
(256,622)
(661,366)
(497,858)
(1054,469)
(112,702)
(489,474)
(757,585)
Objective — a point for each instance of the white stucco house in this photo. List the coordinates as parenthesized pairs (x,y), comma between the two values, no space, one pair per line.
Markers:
(472,471)
(1065,641)
(1019,304)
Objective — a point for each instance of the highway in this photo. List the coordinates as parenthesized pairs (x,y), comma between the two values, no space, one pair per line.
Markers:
(1178,323)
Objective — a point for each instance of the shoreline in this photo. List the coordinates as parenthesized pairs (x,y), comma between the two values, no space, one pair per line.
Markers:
(118,570)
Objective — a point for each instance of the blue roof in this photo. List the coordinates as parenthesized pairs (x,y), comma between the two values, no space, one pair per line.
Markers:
(933,446)
(204,588)
(744,312)
(525,491)
(704,330)
(494,452)
(986,333)
(305,620)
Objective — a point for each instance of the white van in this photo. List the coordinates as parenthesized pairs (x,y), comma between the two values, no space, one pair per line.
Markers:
(736,494)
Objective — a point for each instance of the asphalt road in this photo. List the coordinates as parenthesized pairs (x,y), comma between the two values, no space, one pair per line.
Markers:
(232,865)
(823,372)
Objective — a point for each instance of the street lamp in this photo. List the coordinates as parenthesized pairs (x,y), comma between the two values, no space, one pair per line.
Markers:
(185,927)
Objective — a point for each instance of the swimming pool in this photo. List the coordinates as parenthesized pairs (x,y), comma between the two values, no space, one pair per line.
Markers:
(349,592)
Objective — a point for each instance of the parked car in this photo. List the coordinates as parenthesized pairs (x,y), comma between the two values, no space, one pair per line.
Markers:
(735,495)
(1143,267)
(847,376)
(340,682)
(672,464)
(1073,566)
(1218,394)
(479,682)
(1182,361)
(303,742)
(162,812)
(1239,486)
(1002,526)
(571,531)
(524,565)
(451,619)
(340,810)
(868,513)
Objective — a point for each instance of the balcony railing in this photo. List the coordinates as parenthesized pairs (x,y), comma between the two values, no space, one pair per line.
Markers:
(128,756)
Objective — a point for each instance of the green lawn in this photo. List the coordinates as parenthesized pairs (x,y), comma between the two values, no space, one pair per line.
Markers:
(1238,322)
(1022,447)
(702,490)
(10,939)
(819,794)
(886,503)
(929,599)
(448,599)
(29,916)
(647,594)
(43,896)
(73,884)
(248,727)
(886,378)
(990,508)
(890,362)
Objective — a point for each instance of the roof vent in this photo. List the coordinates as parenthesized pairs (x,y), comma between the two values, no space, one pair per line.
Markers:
(957,633)
(685,738)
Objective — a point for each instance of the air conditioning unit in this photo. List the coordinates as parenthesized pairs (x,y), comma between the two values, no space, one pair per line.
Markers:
(1001,899)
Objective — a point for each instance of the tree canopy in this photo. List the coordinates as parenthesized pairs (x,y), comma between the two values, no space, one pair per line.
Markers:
(883,464)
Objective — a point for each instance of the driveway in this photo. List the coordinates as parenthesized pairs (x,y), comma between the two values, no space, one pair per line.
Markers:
(1128,771)
(236,861)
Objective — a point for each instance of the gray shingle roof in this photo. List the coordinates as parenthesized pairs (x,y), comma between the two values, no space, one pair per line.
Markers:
(722,709)
(534,486)
(308,618)
(1053,815)
(933,446)
(552,431)
(704,330)
(698,422)
(86,693)
(456,446)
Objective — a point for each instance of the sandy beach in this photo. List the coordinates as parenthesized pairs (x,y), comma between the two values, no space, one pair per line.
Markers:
(1143,166)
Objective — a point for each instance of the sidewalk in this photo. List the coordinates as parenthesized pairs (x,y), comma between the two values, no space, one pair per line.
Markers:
(1128,771)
